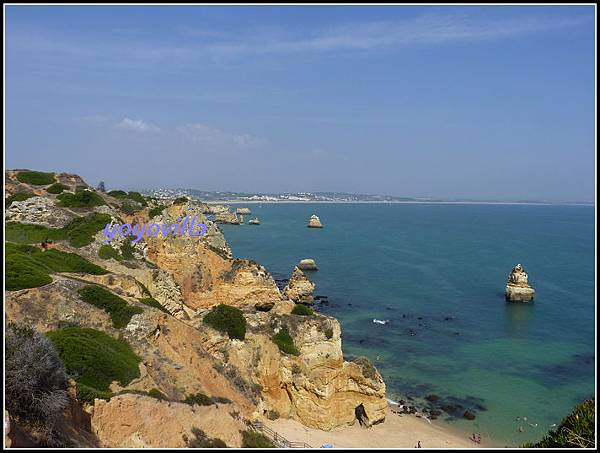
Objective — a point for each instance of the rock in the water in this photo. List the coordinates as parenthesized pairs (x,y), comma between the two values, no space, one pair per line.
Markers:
(307,264)
(314,222)
(244,211)
(469,415)
(299,288)
(517,287)
(254,221)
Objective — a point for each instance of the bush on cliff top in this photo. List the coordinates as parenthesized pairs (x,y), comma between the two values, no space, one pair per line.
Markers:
(285,342)
(37,178)
(120,311)
(156,210)
(227,319)
(57,188)
(252,439)
(19,196)
(201,440)
(95,360)
(29,267)
(302,310)
(106,252)
(135,196)
(80,199)
(151,302)
(181,200)
(79,232)
(577,430)
(35,380)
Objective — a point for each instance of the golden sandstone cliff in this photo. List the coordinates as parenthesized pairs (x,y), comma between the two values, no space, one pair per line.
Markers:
(179,353)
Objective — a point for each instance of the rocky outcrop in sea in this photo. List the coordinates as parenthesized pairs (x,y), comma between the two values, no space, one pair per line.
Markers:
(299,288)
(314,222)
(517,287)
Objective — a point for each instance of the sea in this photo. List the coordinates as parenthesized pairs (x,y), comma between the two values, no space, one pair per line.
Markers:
(438,272)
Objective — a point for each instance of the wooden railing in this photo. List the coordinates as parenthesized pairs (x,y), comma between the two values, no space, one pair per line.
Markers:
(277,438)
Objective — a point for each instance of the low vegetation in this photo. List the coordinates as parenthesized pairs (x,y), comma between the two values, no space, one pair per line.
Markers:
(29,267)
(35,382)
(201,440)
(106,252)
(285,342)
(57,188)
(79,232)
(157,210)
(135,196)
(577,430)
(181,200)
(95,359)
(302,310)
(80,199)
(19,196)
(253,439)
(37,178)
(205,400)
(151,302)
(227,319)
(120,311)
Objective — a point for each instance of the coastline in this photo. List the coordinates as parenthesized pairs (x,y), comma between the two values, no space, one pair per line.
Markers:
(509,203)
(397,431)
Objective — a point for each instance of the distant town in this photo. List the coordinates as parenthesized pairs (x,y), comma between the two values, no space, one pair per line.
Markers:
(316,197)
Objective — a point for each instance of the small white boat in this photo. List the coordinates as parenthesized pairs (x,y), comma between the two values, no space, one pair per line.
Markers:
(379,321)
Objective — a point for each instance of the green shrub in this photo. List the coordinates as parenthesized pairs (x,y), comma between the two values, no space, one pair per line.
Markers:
(151,302)
(302,310)
(19,196)
(95,360)
(80,199)
(57,188)
(106,252)
(156,210)
(120,311)
(127,250)
(136,196)
(577,430)
(180,200)
(29,267)
(155,393)
(227,319)
(79,232)
(117,193)
(252,439)
(37,178)
(328,333)
(285,342)
(199,398)
(128,209)
(201,440)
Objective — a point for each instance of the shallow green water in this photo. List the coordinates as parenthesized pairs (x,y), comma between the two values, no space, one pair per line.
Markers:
(448,264)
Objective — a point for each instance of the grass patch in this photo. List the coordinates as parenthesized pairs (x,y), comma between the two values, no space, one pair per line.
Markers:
(151,302)
(79,232)
(227,319)
(80,199)
(252,439)
(576,430)
(120,311)
(285,342)
(302,310)
(57,188)
(106,252)
(19,196)
(29,267)
(95,360)
(37,178)
(156,210)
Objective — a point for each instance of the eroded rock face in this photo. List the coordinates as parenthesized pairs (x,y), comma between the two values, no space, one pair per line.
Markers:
(38,211)
(517,287)
(227,217)
(307,264)
(138,421)
(299,288)
(314,222)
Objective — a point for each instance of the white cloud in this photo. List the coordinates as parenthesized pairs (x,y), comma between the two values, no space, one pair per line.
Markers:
(216,139)
(137,126)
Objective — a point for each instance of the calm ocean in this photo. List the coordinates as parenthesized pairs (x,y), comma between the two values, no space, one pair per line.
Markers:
(438,273)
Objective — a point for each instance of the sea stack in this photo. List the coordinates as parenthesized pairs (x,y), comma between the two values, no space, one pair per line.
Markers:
(245,211)
(517,287)
(254,221)
(307,264)
(299,288)
(314,222)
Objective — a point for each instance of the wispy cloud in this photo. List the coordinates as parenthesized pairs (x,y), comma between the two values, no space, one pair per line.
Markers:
(137,126)
(211,138)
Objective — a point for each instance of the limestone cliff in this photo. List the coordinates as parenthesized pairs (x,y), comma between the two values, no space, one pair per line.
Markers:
(299,288)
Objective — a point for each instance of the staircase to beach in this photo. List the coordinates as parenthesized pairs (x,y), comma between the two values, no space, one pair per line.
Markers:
(277,439)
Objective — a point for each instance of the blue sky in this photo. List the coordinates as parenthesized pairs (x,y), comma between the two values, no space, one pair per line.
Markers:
(454,102)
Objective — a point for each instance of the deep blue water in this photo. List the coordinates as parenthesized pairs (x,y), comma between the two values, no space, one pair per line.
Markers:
(448,265)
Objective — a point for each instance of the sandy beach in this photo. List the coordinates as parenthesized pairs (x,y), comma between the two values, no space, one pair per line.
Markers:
(398,431)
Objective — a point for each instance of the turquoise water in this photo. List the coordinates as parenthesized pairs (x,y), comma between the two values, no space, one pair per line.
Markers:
(448,264)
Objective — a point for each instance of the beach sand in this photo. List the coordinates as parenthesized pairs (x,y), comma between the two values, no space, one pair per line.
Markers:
(397,431)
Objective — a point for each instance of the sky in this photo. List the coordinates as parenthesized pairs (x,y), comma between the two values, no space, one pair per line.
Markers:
(472,102)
